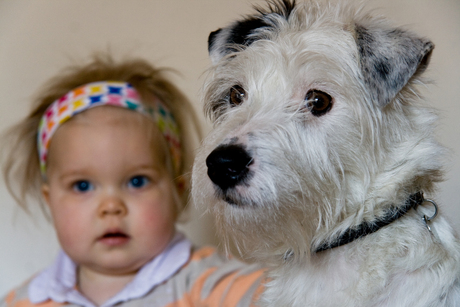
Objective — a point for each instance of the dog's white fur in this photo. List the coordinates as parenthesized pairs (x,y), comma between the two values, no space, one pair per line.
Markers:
(314,177)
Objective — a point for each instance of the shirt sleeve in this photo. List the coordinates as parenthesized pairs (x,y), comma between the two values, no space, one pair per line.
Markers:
(221,282)
(19,298)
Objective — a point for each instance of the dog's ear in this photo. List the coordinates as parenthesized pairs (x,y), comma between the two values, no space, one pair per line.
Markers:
(227,40)
(244,32)
(389,58)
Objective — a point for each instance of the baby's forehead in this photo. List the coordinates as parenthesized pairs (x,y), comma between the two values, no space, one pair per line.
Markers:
(111,114)
(115,118)
(105,122)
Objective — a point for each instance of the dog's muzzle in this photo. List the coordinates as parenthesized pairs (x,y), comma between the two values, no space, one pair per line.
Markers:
(228,165)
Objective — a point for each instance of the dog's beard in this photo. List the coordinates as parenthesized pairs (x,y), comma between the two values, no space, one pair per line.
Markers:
(302,184)
(276,209)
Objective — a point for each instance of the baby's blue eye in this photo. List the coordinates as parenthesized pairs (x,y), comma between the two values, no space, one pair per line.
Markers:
(82,186)
(138,182)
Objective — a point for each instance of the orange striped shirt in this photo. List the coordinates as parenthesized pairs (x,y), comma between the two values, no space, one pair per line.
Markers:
(208,279)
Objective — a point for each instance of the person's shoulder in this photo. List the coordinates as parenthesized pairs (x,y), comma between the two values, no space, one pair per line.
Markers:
(205,253)
(16,296)
(208,256)
(220,277)
(209,266)
(19,297)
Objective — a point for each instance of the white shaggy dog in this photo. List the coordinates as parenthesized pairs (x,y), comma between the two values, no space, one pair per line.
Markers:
(320,152)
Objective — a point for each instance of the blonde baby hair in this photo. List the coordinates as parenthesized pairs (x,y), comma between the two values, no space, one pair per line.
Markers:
(21,167)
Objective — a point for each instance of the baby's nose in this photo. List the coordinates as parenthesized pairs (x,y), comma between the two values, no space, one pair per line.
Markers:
(112,205)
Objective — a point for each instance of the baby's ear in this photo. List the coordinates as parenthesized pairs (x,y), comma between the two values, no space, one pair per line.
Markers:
(181,184)
(45,189)
(389,58)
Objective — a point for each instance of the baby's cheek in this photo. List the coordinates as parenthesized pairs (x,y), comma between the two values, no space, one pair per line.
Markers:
(155,222)
(156,209)
(72,231)
(156,219)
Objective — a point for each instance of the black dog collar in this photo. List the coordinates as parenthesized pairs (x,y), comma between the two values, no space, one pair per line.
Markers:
(366,228)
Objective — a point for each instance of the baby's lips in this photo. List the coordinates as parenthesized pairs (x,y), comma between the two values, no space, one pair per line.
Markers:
(114,237)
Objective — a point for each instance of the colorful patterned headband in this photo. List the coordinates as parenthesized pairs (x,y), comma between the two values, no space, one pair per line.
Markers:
(112,93)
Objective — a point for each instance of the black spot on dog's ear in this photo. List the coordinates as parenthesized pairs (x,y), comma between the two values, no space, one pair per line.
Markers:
(241,32)
(389,58)
(232,38)
(212,37)
(238,34)
(244,32)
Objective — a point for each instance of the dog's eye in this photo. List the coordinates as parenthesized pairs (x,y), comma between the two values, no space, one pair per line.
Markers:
(318,102)
(237,95)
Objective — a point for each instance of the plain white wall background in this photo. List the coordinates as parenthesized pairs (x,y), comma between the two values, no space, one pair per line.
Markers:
(38,38)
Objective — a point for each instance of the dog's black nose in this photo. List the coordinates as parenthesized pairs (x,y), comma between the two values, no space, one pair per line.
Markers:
(228,165)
